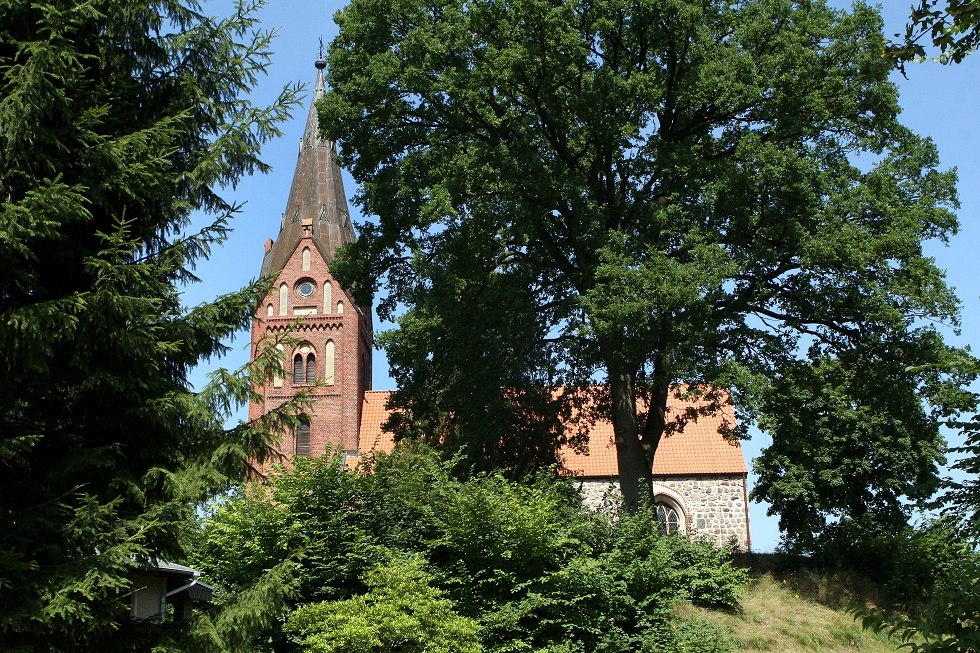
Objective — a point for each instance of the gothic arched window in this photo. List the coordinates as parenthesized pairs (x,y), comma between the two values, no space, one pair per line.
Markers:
(340,308)
(668,517)
(327,297)
(306,258)
(311,369)
(303,436)
(298,376)
(283,298)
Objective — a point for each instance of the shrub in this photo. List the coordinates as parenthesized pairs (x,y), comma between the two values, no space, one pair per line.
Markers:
(400,612)
(654,566)
(533,568)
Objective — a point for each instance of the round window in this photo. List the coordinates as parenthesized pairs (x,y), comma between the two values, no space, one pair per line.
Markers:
(306,288)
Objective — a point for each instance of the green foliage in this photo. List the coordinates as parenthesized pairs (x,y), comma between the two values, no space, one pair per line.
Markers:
(936,567)
(936,573)
(962,497)
(646,194)
(697,636)
(856,439)
(523,560)
(401,611)
(952,27)
(906,565)
(496,535)
(651,564)
(119,120)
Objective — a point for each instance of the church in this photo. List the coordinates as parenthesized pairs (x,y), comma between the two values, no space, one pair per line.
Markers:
(700,477)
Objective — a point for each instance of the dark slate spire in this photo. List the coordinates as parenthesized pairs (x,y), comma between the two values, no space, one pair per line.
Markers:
(317,205)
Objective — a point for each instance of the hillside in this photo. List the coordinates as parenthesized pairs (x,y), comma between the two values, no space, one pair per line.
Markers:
(774,617)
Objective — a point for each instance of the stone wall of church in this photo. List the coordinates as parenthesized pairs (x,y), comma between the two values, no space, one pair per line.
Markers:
(713,506)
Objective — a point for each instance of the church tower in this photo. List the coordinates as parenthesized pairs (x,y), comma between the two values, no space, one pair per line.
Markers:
(333,336)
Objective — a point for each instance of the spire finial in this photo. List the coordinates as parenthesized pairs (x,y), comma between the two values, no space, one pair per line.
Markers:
(320,62)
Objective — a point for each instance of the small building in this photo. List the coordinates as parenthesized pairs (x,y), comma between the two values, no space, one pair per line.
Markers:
(699,476)
(161,589)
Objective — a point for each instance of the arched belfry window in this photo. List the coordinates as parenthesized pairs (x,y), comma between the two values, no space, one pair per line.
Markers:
(304,365)
(306,258)
(311,369)
(298,376)
(283,298)
(303,436)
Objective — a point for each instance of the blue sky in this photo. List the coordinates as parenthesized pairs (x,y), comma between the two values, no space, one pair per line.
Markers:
(938,101)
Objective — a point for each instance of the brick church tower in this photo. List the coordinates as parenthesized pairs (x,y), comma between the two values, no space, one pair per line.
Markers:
(333,336)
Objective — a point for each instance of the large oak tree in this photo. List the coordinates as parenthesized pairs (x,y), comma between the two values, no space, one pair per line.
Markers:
(662,195)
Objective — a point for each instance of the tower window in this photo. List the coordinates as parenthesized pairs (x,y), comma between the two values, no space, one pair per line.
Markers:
(311,369)
(280,368)
(304,365)
(298,376)
(303,436)
(329,351)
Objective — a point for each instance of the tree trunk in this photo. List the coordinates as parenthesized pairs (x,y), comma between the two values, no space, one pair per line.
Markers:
(635,473)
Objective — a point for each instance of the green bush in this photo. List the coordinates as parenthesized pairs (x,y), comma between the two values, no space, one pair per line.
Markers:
(401,611)
(934,581)
(525,561)
(657,566)
(908,565)
(698,636)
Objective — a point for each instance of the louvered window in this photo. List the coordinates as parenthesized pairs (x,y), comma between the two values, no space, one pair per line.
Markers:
(311,369)
(298,377)
(303,436)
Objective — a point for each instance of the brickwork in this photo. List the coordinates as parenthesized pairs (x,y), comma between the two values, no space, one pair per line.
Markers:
(335,413)
(714,507)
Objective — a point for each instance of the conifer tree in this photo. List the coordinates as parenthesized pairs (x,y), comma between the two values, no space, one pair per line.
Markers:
(119,120)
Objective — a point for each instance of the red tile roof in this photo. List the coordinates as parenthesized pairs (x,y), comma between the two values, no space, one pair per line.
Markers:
(698,448)
(373,416)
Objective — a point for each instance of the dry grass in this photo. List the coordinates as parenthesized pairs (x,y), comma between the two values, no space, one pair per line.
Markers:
(776,617)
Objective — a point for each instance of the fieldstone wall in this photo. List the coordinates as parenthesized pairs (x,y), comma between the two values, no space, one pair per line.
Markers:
(714,507)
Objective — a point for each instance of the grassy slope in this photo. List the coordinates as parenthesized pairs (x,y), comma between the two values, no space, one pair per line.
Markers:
(776,618)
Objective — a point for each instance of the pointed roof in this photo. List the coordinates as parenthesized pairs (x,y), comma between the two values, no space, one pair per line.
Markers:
(317,204)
